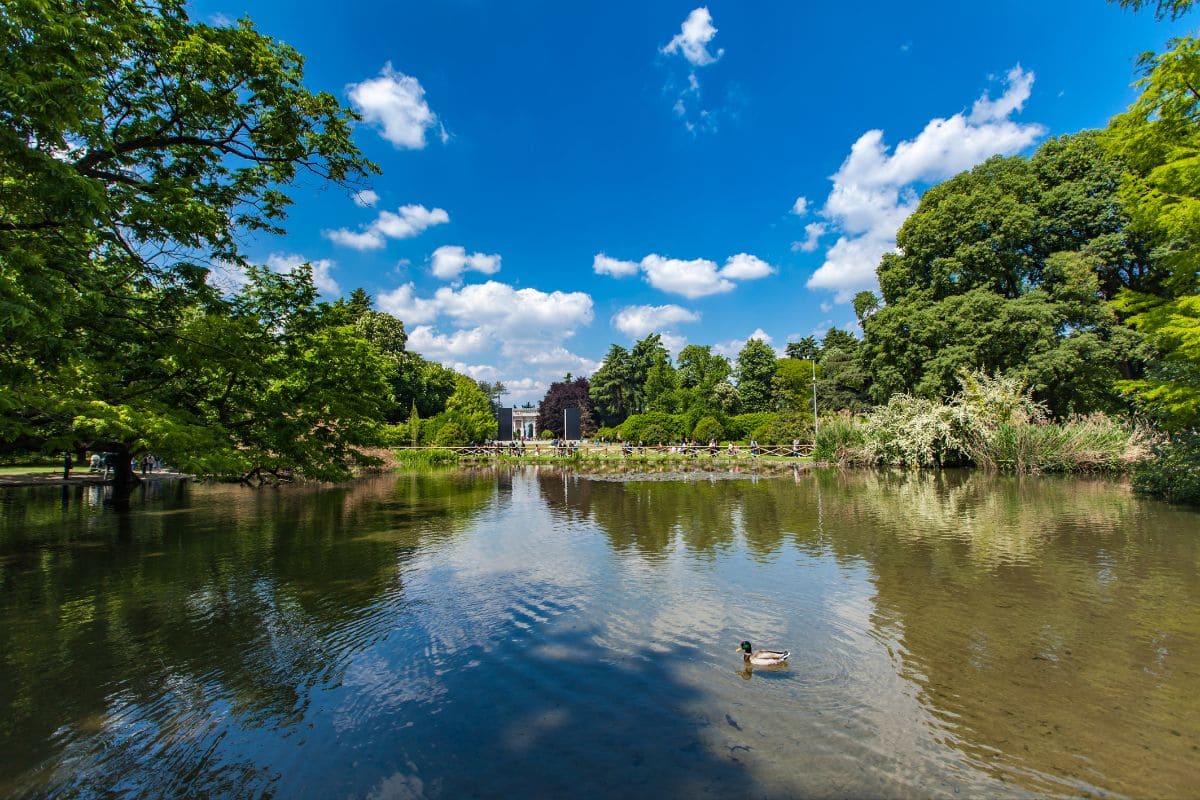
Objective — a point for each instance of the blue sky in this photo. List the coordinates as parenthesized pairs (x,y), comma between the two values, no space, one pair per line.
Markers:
(560,176)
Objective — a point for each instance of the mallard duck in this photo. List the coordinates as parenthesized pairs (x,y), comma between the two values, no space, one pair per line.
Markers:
(762,658)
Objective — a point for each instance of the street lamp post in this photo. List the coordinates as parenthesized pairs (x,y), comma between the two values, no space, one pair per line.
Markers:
(816,424)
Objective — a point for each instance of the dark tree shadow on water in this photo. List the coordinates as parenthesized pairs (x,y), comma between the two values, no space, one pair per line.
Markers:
(556,715)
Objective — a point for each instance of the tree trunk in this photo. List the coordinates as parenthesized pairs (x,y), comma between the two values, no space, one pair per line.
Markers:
(124,478)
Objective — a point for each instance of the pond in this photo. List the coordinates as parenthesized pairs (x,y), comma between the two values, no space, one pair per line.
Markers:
(505,631)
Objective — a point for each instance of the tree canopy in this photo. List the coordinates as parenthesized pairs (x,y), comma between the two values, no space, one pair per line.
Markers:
(130,169)
(563,395)
(1159,137)
(1008,267)
(756,370)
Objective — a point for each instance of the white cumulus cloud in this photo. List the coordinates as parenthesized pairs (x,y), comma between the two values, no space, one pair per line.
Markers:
(639,321)
(516,311)
(403,303)
(450,261)
(800,207)
(367,198)
(395,104)
(480,372)
(692,43)
(813,232)
(495,331)
(731,348)
(521,390)
(875,189)
(693,278)
(425,340)
(745,267)
(692,40)
(552,361)
(500,309)
(674,342)
(405,222)
(603,265)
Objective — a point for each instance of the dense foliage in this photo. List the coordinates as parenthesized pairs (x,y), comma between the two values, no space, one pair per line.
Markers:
(1031,301)
(992,422)
(1008,267)
(138,149)
(1160,137)
(1173,472)
(562,395)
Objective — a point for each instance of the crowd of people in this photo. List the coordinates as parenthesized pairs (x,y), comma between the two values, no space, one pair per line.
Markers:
(687,447)
(106,464)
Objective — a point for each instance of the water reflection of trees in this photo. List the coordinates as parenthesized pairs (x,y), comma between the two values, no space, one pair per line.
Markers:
(646,517)
(245,599)
(650,516)
(1052,625)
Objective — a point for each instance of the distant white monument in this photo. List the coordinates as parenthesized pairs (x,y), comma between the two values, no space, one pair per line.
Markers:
(525,423)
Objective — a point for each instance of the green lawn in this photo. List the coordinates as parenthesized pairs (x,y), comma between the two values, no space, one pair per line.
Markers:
(32,469)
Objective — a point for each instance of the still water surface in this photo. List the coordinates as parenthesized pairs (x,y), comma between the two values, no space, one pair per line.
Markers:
(538,632)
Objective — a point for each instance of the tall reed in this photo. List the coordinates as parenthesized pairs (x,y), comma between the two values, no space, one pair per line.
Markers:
(426,457)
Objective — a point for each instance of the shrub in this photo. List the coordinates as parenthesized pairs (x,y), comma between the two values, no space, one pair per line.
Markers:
(428,428)
(655,433)
(743,426)
(654,427)
(841,439)
(913,431)
(1003,427)
(784,428)
(609,434)
(707,430)
(394,435)
(450,435)
(992,423)
(1173,470)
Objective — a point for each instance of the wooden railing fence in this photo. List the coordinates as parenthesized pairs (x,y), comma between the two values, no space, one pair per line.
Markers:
(605,451)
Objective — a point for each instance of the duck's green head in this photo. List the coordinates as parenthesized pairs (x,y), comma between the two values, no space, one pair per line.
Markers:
(744,647)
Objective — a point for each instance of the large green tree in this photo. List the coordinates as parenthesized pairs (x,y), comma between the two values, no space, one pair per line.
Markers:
(1160,138)
(137,149)
(756,367)
(704,388)
(806,349)
(793,384)
(613,391)
(562,395)
(843,382)
(645,355)
(268,382)
(661,389)
(470,409)
(700,368)
(1007,268)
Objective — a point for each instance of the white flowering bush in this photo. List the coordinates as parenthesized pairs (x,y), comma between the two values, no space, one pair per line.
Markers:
(993,422)
(913,431)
